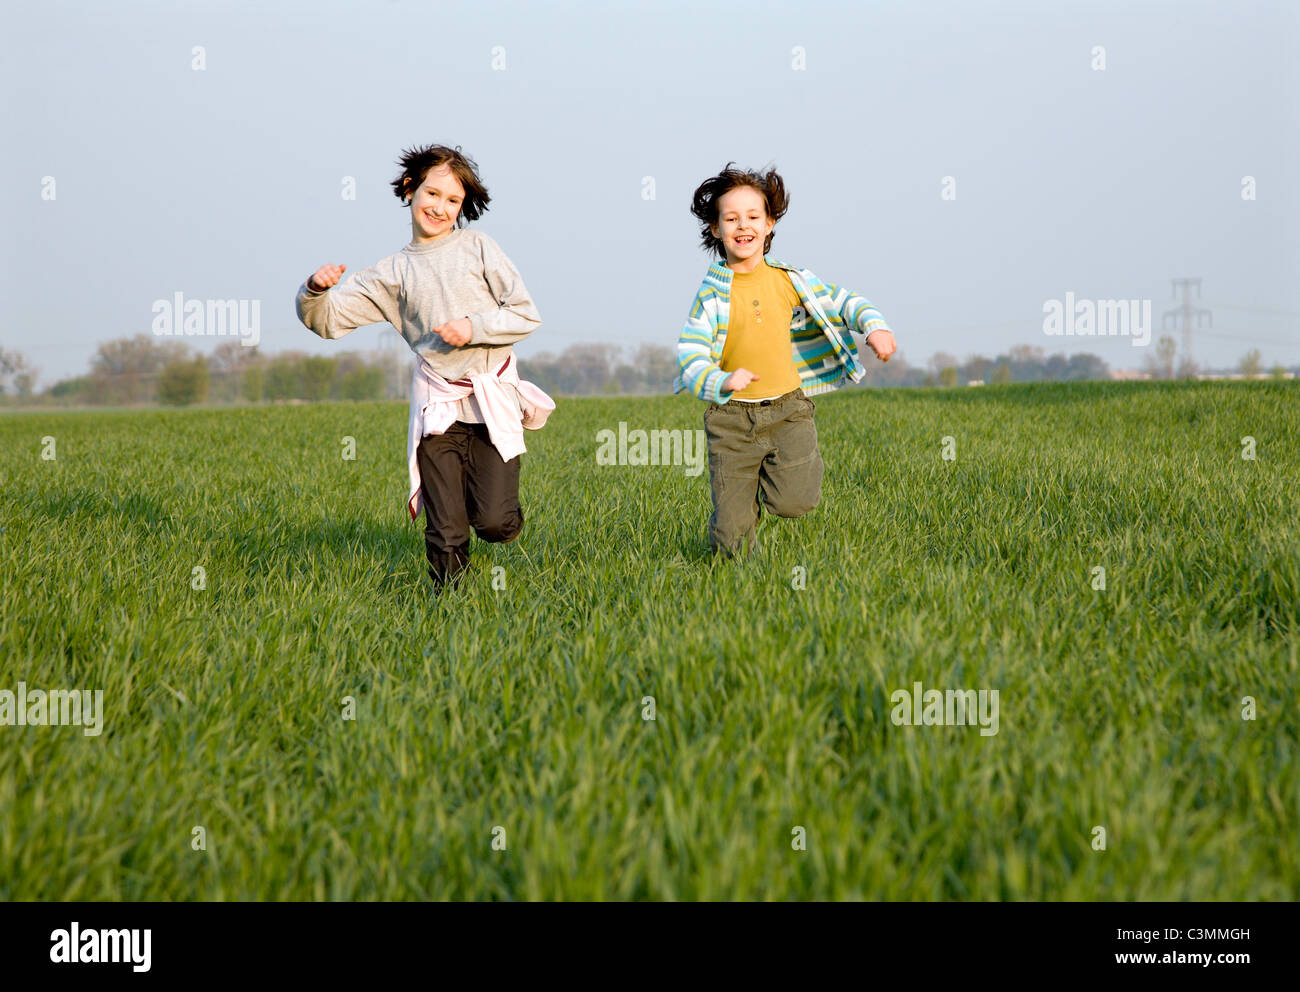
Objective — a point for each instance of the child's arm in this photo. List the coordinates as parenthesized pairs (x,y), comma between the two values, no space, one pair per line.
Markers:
(859,315)
(517,316)
(369,298)
(695,365)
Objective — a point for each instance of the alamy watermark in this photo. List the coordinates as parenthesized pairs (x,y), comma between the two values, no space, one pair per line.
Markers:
(656,447)
(77,946)
(55,708)
(1098,318)
(945,708)
(209,318)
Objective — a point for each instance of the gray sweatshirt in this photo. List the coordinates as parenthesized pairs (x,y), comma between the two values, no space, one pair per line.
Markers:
(462,274)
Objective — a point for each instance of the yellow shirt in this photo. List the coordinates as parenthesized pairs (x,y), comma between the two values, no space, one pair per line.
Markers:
(758,332)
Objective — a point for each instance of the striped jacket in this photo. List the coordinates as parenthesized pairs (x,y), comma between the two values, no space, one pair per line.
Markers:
(825,354)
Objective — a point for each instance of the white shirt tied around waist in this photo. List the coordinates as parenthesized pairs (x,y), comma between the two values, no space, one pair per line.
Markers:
(434,402)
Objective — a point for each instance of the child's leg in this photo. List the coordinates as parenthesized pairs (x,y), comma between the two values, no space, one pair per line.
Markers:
(791,475)
(441,458)
(492,489)
(734,457)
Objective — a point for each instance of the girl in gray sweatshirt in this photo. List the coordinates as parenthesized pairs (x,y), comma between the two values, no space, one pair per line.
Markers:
(459,302)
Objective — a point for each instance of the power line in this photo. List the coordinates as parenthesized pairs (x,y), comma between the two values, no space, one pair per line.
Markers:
(1275,311)
(1251,339)
(1189,313)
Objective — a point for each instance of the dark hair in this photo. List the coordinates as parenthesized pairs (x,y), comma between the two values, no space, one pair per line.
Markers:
(416,164)
(704,204)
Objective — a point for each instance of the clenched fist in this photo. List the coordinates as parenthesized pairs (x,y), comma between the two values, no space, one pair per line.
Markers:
(882,343)
(325,277)
(455,332)
(738,380)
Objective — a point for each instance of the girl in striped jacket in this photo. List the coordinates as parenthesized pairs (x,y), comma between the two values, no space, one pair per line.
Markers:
(762,336)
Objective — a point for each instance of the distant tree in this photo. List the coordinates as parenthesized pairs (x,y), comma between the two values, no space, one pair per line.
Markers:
(142,353)
(89,390)
(895,372)
(232,356)
(14,366)
(345,363)
(977,367)
(1278,372)
(1251,363)
(70,389)
(395,365)
(948,375)
(651,369)
(591,366)
(183,383)
(123,371)
(1083,367)
(362,383)
(941,360)
(282,380)
(1025,363)
(581,369)
(252,383)
(1054,367)
(1002,374)
(318,374)
(1162,365)
(658,365)
(1026,353)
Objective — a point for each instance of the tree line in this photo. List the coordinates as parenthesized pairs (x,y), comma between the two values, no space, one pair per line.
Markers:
(146,370)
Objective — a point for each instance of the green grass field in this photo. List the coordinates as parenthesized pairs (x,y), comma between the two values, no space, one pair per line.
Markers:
(522,708)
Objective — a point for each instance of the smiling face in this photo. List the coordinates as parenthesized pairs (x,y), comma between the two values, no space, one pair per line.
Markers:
(743,226)
(436,205)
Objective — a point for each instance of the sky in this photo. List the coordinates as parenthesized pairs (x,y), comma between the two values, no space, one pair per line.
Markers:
(592,124)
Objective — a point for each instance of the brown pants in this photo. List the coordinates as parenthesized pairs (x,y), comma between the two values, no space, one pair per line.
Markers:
(465,483)
(768,449)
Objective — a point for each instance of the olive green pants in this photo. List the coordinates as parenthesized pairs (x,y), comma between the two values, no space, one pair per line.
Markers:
(768,450)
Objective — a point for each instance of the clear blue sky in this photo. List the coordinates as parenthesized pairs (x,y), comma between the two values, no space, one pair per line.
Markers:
(224,183)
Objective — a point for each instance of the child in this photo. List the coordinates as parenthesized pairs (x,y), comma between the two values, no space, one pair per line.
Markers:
(787,335)
(460,304)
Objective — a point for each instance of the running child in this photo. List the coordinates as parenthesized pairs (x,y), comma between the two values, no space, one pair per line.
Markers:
(459,302)
(762,336)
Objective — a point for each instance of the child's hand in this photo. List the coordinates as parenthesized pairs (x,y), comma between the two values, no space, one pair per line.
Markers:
(738,380)
(325,277)
(455,332)
(882,343)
